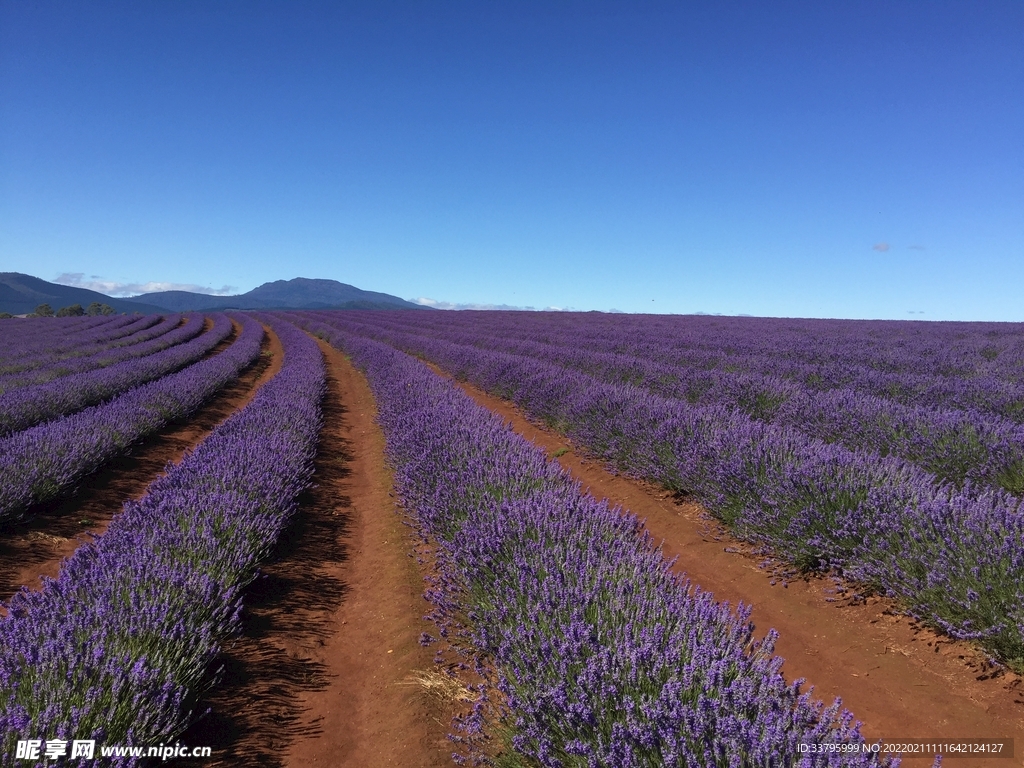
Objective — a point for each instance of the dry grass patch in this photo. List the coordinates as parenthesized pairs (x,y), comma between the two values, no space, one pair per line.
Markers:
(439,684)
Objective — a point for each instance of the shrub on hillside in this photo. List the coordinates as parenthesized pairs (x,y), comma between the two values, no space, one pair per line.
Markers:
(99,309)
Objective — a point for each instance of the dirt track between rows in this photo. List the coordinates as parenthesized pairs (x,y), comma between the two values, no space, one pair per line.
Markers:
(36,547)
(322,674)
(901,680)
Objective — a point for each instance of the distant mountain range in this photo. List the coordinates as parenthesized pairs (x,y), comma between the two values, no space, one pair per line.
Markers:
(300,293)
(20,294)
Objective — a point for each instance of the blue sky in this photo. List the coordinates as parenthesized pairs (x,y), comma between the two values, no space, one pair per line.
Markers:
(819,159)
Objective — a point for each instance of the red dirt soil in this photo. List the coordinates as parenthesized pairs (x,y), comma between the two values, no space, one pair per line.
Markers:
(322,672)
(901,680)
(37,546)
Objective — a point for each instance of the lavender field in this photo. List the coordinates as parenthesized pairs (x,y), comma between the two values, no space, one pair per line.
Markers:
(889,455)
(630,666)
(890,452)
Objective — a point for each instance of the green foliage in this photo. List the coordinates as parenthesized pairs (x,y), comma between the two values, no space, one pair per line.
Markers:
(761,405)
(695,390)
(807,562)
(1012,478)
(99,309)
(44,310)
(1015,411)
(74,310)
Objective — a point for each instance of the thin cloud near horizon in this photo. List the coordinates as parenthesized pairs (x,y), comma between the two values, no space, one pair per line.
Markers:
(427,302)
(882,246)
(121,290)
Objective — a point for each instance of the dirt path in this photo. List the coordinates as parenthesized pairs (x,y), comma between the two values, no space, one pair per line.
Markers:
(901,680)
(37,546)
(321,674)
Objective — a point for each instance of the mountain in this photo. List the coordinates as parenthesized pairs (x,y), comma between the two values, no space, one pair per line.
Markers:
(300,293)
(21,294)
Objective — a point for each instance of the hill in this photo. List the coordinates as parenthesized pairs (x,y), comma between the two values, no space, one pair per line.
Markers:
(21,294)
(299,293)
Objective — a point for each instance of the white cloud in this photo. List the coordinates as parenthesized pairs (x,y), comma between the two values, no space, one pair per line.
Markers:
(423,301)
(882,246)
(113,288)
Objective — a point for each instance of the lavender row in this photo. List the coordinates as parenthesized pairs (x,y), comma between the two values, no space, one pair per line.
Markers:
(939,349)
(23,336)
(28,406)
(954,557)
(37,344)
(144,342)
(46,461)
(999,392)
(120,647)
(86,357)
(954,445)
(604,656)
(62,343)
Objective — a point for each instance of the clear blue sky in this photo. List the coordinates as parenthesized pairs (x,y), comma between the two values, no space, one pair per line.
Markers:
(822,159)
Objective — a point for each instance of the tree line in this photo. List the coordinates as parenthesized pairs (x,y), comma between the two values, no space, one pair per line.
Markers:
(74,310)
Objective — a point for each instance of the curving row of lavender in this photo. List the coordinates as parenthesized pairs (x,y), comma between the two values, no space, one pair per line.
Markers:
(32,405)
(954,557)
(63,339)
(954,445)
(163,334)
(39,341)
(604,656)
(816,355)
(119,648)
(44,462)
(22,336)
